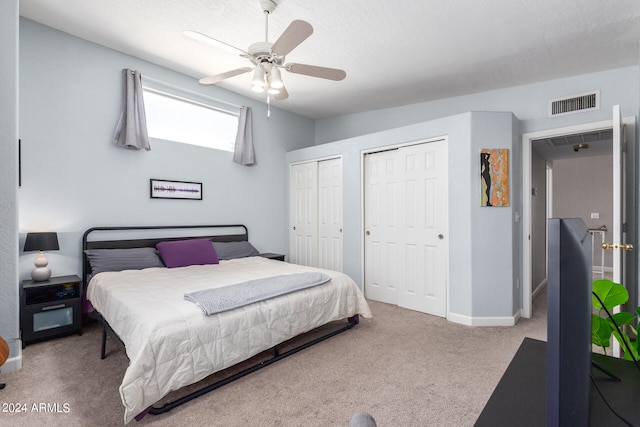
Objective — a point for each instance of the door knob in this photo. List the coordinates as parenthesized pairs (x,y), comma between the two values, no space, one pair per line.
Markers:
(367,232)
(440,236)
(294,227)
(623,246)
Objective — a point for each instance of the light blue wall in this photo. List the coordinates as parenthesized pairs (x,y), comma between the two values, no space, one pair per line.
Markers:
(481,240)
(75,178)
(529,103)
(9,306)
(495,231)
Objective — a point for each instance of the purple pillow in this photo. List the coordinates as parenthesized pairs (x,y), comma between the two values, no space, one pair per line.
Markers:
(181,253)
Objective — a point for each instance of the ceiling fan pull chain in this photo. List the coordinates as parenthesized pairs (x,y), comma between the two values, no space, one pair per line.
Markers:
(268,105)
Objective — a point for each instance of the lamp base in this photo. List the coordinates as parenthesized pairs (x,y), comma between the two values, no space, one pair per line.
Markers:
(40,274)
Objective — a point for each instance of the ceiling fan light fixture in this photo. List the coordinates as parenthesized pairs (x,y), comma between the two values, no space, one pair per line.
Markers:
(275,79)
(258,78)
(268,58)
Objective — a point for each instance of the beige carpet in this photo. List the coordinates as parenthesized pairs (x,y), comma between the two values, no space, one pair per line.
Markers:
(405,368)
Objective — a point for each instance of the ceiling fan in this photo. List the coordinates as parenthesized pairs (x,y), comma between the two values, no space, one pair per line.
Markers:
(269,58)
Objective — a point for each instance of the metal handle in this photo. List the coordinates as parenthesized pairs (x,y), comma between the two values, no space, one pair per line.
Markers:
(294,227)
(440,236)
(367,232)
(623,246)
(53,307)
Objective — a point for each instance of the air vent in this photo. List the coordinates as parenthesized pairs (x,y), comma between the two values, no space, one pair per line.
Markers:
(575,104)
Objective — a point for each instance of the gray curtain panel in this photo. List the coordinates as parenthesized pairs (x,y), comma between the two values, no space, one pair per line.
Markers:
(244,152)
(131,131)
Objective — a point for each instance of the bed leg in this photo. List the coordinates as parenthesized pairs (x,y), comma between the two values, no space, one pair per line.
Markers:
(104,342)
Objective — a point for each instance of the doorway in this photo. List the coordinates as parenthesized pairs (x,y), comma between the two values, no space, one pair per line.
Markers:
(564,141)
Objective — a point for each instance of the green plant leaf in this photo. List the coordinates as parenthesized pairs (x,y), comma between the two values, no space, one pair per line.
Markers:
(600,332)
(612,294)
(622,318)
(633,347)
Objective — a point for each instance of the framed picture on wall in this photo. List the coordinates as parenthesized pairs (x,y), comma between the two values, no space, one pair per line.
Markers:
(494,177)
(165,189)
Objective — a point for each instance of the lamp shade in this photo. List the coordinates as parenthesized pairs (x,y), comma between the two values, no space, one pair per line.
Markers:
(47,241)
(276,79)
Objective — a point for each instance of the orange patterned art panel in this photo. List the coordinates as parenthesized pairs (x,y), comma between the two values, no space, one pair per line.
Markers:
(494,175)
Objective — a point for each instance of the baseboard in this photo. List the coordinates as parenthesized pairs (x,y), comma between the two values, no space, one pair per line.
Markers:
(484,321)
(12,364)
(538,288)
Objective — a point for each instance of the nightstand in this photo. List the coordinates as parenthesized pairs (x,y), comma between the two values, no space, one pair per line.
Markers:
(50,308)
(277,257)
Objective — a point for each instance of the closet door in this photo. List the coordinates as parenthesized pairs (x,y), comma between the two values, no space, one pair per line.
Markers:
(381,226)
(406,225)
(316,214)
(304,214)
(330,214)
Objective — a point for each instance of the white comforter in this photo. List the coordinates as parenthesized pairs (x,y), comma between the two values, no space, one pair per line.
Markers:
(171,343)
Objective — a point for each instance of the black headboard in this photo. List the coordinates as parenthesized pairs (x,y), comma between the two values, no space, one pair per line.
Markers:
(150,236)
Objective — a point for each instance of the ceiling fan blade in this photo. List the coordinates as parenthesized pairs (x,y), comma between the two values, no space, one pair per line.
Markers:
(315,71)
(203,38)
(282,95)
(296,33)
(219,77)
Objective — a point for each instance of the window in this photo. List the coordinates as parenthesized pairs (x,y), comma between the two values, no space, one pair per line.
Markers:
(174,118)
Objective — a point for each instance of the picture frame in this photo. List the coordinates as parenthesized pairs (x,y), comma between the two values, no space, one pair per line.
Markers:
(494,177)
(168,189)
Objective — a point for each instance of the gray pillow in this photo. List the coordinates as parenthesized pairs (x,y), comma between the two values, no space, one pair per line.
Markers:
(231,250)
(102,260)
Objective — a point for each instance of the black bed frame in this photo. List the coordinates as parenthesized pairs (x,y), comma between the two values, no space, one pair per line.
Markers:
(235,236)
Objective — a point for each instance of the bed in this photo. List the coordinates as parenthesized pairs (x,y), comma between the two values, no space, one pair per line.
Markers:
(137,288)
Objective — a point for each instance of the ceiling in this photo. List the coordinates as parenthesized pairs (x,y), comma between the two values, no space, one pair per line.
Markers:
(594,143)
(394,52)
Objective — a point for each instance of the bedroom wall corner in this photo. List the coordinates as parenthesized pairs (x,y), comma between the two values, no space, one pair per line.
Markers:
(9,291)
(493,243)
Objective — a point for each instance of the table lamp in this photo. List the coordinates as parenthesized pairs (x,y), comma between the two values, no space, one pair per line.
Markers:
(41,242)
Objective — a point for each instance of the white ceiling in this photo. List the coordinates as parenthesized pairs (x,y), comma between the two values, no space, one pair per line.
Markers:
(394,52)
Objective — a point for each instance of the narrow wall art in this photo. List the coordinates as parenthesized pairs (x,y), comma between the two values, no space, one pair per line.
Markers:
(494,176)
(163,189)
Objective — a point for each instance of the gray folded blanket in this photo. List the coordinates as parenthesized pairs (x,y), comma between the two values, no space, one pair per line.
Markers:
(217,300)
